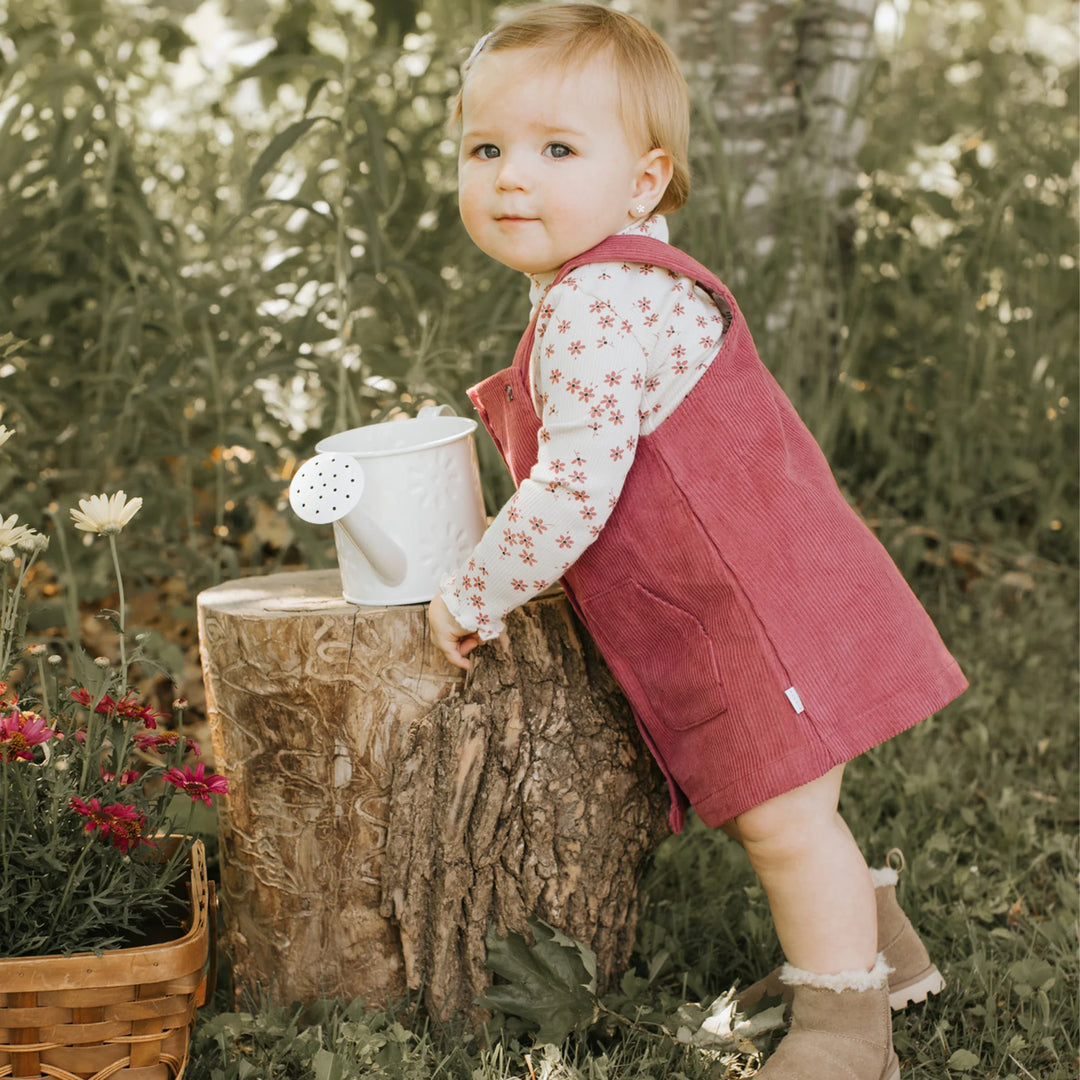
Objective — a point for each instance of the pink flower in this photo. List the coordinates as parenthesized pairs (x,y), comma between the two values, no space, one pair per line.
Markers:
(127,777)
(127,708)
(19,732)
(149,742)
(196,783)
(124,824)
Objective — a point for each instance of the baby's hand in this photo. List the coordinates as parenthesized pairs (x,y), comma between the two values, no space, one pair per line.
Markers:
(454,641)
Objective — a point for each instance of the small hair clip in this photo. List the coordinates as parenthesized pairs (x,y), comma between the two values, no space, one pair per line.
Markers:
(477,49)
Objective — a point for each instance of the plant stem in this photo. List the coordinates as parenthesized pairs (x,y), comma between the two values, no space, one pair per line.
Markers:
(123,617)
(70,882)
(71,583)
(8,606)
(4,765)
(44,691)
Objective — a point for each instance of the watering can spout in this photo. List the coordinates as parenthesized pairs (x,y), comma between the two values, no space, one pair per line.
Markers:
(386,555)
(328,488)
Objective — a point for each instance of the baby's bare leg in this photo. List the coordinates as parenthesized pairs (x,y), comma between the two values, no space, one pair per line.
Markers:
(817,882)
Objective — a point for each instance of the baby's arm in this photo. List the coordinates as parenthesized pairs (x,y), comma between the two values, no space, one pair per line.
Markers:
(589,381)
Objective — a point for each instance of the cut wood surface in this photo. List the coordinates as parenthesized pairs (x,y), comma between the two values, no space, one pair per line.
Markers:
(384,809)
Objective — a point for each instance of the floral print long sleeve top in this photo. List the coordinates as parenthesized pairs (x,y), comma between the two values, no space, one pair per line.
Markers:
(617,348)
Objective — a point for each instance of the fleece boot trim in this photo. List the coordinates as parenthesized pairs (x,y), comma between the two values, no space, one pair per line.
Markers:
(841,1028)
(914,977)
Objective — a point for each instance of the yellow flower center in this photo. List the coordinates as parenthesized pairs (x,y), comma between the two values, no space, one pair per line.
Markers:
(14,744)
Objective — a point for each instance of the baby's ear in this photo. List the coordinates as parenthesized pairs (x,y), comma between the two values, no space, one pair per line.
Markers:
(653,176)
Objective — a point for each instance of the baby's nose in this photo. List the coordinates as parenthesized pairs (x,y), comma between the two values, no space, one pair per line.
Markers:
(510,175)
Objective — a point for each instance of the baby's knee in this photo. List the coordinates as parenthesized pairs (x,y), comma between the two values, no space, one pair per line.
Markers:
(789,821)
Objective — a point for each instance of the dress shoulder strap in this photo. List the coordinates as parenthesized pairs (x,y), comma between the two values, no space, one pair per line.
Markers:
(647,249)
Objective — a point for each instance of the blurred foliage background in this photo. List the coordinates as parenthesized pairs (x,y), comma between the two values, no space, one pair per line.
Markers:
(229,229)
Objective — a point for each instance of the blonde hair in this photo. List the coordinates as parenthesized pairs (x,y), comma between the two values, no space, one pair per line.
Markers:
(654,102)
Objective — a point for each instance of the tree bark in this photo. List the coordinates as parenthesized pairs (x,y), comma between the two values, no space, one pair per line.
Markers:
(774,148)
(382,810)
(783,80)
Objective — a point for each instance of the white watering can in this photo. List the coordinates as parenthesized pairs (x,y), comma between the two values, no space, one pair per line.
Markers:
(405,501)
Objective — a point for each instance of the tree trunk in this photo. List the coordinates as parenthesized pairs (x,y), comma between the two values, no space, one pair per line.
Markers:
(382,810)
(774,148)
(783,79)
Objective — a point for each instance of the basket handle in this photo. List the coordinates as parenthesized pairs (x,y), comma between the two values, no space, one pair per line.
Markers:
(209,983)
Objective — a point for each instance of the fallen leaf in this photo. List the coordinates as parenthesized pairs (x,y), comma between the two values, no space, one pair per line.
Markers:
(1015,912)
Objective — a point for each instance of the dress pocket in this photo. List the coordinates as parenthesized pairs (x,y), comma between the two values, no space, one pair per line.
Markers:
(663,648)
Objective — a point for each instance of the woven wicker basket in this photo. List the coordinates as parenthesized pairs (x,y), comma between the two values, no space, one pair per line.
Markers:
(126,1014)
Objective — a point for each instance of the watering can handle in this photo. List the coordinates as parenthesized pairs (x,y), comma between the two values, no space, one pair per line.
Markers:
(428,411)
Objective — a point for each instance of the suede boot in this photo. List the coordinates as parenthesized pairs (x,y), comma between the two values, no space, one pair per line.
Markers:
(841,1028)
(913,976)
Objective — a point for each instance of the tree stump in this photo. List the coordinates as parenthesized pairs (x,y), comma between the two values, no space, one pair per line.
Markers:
(383,810)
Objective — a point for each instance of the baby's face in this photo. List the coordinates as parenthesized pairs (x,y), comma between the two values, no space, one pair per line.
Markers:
(546,170)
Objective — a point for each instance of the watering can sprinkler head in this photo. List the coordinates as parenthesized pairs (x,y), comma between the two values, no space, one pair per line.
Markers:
(327,488)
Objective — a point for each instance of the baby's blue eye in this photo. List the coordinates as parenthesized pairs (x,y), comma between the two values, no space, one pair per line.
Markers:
(559,150)
(486,152)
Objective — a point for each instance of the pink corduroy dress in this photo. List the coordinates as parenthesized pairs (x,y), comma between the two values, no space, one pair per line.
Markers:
(758,628)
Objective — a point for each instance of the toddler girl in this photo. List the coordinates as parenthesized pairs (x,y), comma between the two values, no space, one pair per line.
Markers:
(760,632)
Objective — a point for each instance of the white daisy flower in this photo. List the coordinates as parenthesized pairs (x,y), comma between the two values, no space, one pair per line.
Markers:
(104,514)
(32,542)
(12,533)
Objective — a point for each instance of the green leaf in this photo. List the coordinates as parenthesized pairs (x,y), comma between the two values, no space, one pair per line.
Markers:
(279,144)
(963,1061)
(1032,972)
(327,1065)
(550,984)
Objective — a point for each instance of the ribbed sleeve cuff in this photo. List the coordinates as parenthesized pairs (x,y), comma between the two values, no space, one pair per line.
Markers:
(464,615)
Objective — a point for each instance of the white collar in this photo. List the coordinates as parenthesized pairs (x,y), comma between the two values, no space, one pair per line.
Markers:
(654,226)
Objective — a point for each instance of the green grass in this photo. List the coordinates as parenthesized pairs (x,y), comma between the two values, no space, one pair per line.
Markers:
(981,798)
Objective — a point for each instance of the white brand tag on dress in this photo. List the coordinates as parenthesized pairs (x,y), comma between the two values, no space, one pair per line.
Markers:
(793,697)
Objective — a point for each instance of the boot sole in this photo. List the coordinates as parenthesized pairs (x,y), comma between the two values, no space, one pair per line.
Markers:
(931,982)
